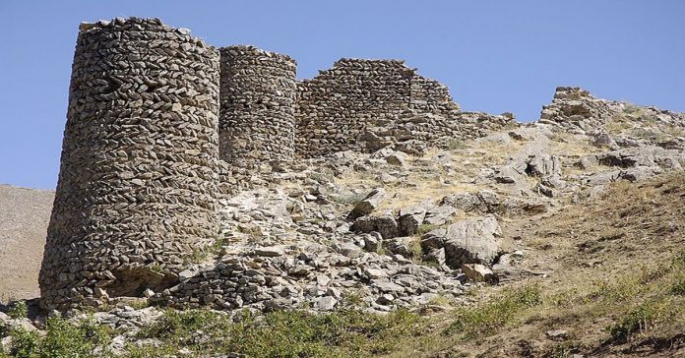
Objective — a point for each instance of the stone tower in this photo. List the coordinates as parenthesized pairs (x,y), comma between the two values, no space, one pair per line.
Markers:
(257,121)
(137,182)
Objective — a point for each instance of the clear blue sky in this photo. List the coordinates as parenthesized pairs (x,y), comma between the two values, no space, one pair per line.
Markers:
(495,56)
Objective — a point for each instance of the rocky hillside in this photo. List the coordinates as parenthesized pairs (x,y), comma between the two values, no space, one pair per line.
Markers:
(560,238)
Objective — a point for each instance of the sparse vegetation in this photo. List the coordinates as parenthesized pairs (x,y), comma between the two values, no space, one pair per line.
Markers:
(426,228)
(488,318)
(454,144)
(18,310)
(283,333)
(62,339)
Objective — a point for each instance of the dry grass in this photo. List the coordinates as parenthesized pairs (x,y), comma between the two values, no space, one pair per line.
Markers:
(618,264)
(616,284)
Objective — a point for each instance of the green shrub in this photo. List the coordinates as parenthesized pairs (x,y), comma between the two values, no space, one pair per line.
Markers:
(426,228)
(636,320)
(454,144)
(25,344)
(282,333)
(62,339)
(19,310)
(678,287)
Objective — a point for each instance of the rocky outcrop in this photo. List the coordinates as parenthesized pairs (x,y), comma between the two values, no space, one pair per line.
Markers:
(575,109)
(466,241)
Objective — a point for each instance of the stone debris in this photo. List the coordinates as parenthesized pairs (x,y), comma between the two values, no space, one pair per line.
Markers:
(309,273)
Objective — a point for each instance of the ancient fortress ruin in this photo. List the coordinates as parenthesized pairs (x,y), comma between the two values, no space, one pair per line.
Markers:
(154,113)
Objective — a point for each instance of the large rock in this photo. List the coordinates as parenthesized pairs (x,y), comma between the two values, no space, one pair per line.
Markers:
(649,156)
(466,241)
(385,225)
(370,203)
(412,217)
(478,273)
(485,201)
(543,165)
(439,215)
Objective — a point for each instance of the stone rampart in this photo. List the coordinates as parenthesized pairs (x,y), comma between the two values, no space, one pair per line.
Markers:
(138,180)
(338,107)
(152,111)
(257,106)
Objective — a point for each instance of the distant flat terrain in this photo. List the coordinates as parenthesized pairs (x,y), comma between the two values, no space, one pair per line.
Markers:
(24,217)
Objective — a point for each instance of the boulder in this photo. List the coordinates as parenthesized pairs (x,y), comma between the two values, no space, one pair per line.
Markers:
(648,156)
(372,241)
(439,215)
(412,217)
(400,246)
(386,226)
(397,158)
(348,249)
(466,241)
(370,203)
(543,165)
(485,201)
(478,273)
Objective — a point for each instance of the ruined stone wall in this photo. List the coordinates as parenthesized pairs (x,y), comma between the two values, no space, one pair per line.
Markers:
(356,99)
(257,106)
(138,179)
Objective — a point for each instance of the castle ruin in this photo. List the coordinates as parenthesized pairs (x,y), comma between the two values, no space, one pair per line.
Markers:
(152,114)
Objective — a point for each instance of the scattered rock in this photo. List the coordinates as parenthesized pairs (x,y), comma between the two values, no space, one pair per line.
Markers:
(478,273)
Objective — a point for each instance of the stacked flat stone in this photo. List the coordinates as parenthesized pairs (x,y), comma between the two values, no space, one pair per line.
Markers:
(356,96)
(269,278)
(138,180)
(257,106)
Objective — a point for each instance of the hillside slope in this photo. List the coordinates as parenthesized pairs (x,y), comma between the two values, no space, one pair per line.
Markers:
(24,217)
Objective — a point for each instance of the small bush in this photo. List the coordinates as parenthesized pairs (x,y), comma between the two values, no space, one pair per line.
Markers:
(679,260)
(19,310)
(454,144)
(637,320)
(678,287)
(25,344)
(62,339)
(282,333)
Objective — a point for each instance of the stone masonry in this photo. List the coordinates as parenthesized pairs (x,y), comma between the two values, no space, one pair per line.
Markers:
(138,180)
(339,106)
(147,127)
(257,105)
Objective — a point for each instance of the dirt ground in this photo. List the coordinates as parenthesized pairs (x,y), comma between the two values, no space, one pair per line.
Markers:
(24,217)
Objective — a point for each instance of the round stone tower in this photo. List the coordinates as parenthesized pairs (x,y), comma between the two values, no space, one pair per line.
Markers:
(137,184)
(257,120)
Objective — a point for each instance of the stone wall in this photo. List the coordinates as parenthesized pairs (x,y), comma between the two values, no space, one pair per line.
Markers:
(138,179)
(335,109)
(257,106)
